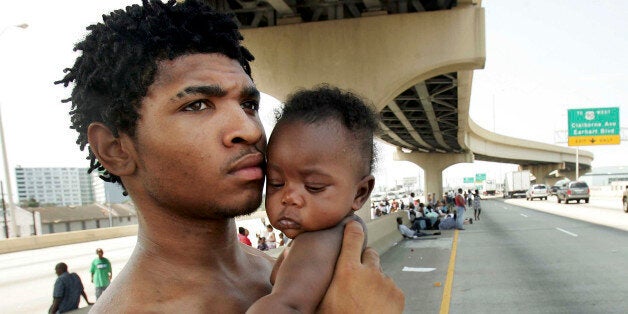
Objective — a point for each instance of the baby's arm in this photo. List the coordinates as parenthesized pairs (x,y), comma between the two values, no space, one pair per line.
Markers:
(305,273)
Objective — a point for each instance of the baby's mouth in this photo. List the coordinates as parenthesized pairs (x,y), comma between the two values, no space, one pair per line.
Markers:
(286,223)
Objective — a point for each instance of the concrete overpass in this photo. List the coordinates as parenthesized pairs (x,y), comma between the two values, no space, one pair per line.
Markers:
(413,59)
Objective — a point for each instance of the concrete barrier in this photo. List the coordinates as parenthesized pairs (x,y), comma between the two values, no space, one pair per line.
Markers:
(63,238)
(382,234)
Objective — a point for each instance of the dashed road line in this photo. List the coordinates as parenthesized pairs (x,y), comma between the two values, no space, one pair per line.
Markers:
(418,269)
(567,232)
(524,215)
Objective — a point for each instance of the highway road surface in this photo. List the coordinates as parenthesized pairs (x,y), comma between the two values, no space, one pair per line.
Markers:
(521,257)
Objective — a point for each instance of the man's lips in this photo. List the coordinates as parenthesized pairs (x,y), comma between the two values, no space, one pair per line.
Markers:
(249,167)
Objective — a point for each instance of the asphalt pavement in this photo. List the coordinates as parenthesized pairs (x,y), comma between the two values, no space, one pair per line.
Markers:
(434,281)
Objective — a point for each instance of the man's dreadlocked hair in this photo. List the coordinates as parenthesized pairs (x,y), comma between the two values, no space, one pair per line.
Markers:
(120,55)
(324,103)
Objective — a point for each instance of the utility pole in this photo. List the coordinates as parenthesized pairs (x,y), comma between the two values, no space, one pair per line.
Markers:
(4,212)
(7,173)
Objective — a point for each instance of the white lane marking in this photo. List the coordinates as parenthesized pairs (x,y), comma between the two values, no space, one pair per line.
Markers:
(418,269)
(524,215)
(567,232)
(505,207)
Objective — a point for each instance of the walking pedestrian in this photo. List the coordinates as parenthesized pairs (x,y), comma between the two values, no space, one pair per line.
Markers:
(101,272)
(477,206)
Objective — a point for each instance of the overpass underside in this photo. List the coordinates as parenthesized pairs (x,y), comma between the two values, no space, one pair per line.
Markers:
(416,68)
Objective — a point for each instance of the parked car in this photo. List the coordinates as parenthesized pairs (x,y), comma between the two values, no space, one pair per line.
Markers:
(624,199)
(539,191)
(553,189)
(573,191)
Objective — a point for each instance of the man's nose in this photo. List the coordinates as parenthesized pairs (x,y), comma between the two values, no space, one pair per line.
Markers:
(242,127)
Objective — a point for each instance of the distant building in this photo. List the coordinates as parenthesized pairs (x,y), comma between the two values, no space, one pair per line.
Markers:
(107,192)
(27,223)
(65,187)
(94,216)
(59,186)
(606,176)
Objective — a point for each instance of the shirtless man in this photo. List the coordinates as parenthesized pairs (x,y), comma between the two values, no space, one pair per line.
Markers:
(163,99)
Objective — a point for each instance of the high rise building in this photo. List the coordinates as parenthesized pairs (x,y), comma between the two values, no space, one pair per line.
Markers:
(107,192)
(58,186)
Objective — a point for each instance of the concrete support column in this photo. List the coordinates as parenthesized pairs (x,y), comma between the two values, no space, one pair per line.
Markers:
(433,165)
(571,175)
(542,172)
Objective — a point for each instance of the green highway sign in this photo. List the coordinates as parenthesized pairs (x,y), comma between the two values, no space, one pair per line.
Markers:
(593,126)
(467,180)
(480,177)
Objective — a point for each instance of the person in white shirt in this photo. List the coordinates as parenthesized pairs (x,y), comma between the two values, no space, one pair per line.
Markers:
(271,239)
(411,200)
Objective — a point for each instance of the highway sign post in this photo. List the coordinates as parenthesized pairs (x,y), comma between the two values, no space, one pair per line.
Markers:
(467,180)
(480,177)
(592,126)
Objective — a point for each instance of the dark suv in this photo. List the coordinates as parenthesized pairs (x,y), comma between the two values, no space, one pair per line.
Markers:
(573,191)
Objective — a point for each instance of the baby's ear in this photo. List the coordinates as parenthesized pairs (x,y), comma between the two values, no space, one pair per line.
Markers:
(364,189)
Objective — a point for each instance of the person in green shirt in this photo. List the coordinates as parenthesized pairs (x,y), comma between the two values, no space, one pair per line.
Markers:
(101,273)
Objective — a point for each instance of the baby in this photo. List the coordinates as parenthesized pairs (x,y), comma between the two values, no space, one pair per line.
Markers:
(320,159)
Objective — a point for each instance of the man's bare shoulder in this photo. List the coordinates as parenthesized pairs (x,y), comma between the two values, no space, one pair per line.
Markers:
(140,288)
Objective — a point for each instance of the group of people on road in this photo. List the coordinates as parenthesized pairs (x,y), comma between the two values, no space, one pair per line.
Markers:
(266,240)
(386,206)
(440,215)
(68,287)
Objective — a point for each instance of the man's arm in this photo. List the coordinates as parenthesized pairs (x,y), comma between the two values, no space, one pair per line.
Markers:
(55,306)
(85,297)
(359,285)
(92,269)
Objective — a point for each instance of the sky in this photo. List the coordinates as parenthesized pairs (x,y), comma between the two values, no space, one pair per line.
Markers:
(543,57)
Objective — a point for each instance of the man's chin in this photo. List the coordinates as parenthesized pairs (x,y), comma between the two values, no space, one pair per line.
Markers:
(245,208)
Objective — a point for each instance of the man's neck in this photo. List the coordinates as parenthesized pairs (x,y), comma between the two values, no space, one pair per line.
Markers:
(186,241)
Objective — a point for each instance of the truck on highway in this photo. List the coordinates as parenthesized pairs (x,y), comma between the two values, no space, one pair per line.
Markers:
(490,186)
(516,183)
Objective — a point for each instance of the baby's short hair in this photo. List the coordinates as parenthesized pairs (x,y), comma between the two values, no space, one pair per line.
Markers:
(326,102)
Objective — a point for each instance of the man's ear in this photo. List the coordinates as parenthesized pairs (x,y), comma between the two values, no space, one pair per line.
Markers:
(365,187)
(113,153)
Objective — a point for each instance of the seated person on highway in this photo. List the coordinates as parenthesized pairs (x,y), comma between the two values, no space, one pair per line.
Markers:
(407,232)
(320,158)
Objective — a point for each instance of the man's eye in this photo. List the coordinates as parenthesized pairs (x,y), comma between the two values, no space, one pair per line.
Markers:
(250,104)
(196,106)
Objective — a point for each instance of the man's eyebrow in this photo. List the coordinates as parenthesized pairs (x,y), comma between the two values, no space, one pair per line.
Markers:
(249,92)
(207,90)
